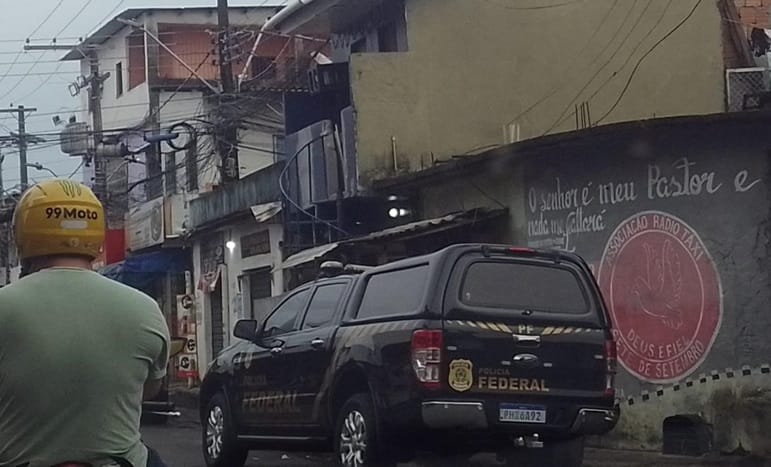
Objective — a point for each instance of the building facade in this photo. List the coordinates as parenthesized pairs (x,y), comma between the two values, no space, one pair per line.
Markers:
(672,215)
(150,79)
(429,81)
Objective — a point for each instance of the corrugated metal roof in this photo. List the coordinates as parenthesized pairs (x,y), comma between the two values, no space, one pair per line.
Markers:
(306,256)
(454,219)
(265,212)
(104,32)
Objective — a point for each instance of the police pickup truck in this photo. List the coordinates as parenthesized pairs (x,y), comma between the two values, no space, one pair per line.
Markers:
(475,348)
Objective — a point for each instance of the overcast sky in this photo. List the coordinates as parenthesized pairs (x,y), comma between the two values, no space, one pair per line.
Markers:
(39,80)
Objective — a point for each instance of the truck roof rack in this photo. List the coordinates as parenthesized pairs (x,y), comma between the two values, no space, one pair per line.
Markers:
(336,268)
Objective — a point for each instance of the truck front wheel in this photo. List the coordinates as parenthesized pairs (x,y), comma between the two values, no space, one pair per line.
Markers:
(357,435)
(220,445)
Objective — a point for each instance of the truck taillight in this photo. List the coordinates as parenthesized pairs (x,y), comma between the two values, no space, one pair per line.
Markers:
(611,361)
(427,357)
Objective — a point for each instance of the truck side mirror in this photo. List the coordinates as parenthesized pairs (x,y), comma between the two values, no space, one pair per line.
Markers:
(246,329)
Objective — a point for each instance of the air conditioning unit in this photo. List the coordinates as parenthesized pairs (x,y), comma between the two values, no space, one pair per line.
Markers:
(745,87)
(329,77)
(75,139)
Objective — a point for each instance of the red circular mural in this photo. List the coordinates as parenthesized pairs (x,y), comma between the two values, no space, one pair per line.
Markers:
(664,294)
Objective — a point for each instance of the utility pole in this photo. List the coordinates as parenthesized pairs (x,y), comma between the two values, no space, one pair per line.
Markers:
(228,133)
(6,229)
(23,147)
(21,113)
(95,109)
(226,68)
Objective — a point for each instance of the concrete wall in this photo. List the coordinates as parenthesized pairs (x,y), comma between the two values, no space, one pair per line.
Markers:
(132,106)
(257,150)
(674,221)
(236,302)
(474,67)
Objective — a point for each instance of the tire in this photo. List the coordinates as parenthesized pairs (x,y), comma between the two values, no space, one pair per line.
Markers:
(219,442)
(562,453)
(357,435)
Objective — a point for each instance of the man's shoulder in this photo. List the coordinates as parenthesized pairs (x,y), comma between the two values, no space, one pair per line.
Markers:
(92,282)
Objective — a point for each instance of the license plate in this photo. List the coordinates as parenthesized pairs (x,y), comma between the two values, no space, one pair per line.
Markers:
(516,413)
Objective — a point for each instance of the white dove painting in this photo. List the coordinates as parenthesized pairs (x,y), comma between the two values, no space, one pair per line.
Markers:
(658,293)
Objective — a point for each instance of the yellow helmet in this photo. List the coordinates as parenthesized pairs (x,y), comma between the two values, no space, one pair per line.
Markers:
(59,217)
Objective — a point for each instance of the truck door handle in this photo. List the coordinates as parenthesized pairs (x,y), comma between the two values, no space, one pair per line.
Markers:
(317,343)
(527,339)
(275,351)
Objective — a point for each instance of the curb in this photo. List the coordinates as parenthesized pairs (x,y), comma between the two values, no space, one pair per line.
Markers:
(729,373)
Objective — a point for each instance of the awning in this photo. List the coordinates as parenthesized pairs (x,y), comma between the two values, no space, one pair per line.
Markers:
(139,271)
(428,226)
(265,212)
(424,227)
(306,256)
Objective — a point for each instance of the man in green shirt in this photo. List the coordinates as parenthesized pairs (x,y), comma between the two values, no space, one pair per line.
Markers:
(78,352)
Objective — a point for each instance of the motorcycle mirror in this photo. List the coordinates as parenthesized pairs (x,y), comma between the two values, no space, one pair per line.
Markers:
(177,346)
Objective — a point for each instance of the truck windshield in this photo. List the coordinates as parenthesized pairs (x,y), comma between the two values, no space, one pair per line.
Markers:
(522,286)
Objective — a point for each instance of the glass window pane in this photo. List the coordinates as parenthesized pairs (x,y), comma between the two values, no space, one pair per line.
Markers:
(520,286)
(284,318)
(323,305)
(394,293)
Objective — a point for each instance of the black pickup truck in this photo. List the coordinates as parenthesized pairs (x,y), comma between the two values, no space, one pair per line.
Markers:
(476,348)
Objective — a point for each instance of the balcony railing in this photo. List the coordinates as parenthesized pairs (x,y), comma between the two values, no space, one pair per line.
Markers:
(748,88)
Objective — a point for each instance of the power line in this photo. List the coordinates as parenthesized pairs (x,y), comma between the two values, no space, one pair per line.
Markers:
(114,9)
(74,172)
(77,15)
(628,59)
(37,28)
(110,57)
(21,80)
(604,65)
(645,55)
(43,83)
(119,106)
(13,63)
(40,57)
(538,7)
(45,20)
(559,86)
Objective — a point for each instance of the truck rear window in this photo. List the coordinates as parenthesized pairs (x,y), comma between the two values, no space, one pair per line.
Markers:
(521,286)
(394,293)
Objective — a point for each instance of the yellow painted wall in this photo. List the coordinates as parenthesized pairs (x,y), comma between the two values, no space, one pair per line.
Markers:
(474,66)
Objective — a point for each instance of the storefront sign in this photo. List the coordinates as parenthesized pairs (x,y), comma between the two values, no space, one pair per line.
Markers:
(144,225)
(664,293)
(186,327)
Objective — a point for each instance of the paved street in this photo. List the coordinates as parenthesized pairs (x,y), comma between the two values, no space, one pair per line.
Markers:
(179,444)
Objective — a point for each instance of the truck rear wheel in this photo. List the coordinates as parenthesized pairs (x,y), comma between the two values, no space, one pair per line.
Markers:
(357,435)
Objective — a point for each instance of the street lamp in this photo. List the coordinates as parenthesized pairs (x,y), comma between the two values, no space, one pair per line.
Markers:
(39,166)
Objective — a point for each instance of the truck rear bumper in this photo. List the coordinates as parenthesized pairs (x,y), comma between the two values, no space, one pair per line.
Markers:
(468,415)
(594,421)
